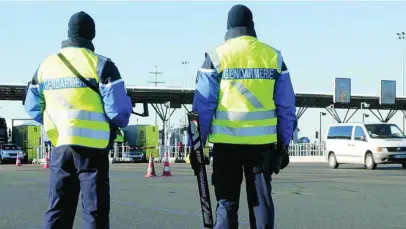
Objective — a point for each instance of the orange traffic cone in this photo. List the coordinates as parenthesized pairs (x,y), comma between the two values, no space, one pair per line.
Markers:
(46,164)
(167,170)
(18,162)
(151,168)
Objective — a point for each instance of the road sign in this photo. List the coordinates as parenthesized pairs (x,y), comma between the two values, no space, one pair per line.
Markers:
(342,90)
(388,92)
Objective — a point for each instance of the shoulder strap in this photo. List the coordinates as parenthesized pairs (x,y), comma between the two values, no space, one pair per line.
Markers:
(74,71)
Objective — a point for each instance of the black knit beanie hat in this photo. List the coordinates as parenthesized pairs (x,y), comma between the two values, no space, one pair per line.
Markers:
(240,16)
(81,25)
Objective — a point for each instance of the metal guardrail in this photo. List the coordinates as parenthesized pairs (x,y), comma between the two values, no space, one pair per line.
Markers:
(120,153)
(307,149)
(41,154)
(175,154)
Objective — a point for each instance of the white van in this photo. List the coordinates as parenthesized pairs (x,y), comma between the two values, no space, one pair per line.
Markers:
(367,144)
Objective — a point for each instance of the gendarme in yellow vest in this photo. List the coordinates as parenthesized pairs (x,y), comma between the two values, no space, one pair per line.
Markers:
(74,113)
(246,112)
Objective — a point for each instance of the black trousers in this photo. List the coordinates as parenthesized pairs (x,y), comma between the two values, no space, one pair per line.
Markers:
(74,169)
(230,162)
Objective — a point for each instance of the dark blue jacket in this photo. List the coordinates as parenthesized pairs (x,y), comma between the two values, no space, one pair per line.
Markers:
(207,91)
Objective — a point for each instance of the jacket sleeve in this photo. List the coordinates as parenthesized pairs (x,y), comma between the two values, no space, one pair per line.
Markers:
(285,102)
(34,101)
(205,98)
(117,104)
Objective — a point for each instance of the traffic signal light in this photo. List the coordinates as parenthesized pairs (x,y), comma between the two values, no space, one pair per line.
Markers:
(317,134)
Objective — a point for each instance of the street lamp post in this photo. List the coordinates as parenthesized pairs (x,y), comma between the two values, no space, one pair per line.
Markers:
(321,114)
(185,63)
(156,82)
(404,117)
(401,37)
(363,106)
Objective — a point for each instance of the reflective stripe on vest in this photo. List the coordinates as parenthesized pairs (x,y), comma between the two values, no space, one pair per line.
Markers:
(247,94)
(246,111)
(244,131)
(245,116)
(75,112)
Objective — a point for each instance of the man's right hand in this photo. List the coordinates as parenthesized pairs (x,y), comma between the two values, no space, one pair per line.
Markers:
(193,162)
(196,164)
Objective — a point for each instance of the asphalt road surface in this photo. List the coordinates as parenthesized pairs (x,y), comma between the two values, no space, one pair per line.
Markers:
(306,196)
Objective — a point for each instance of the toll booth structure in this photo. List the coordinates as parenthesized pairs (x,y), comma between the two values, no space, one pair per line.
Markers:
(342,98)
(166,100)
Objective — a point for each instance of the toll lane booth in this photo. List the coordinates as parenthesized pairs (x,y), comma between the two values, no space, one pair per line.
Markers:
(343,98)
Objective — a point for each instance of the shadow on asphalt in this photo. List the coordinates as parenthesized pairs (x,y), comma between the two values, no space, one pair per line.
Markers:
(377,168)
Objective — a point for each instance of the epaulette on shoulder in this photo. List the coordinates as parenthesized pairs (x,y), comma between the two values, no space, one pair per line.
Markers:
(276,50)
(103,57)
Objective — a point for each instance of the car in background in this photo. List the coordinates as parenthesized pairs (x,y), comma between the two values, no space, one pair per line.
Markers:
(367,144)
(303,140)
(135,154)
(9,151)
(128,153)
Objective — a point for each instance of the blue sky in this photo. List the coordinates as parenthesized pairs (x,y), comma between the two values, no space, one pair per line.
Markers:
(319,41)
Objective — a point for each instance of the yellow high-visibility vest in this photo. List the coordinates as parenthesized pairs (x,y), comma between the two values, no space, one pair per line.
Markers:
(74,113)
(246,112)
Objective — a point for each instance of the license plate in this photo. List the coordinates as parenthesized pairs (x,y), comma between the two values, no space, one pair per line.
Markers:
(400,156)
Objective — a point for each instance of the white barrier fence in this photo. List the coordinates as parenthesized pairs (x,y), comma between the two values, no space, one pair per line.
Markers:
(41,154)
(307,149)
(295,150)
(307,152)
(121,153)
(175,154)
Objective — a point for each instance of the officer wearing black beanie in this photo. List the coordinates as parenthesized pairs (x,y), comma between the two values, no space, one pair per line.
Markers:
(240,21)
(82,87)
(81,25)
(246,106)
(81,31)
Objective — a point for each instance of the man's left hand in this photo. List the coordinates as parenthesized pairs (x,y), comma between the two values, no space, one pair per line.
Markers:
(282,159)
(285,157)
